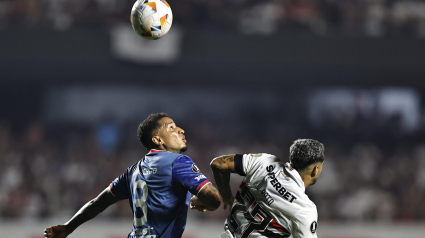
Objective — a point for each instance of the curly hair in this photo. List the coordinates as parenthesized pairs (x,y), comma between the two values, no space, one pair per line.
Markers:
(304,152)
(148,127)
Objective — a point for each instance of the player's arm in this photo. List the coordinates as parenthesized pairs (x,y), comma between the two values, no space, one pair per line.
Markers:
(222,167)
(208,198)
(305,224)
(87,212)
(186,173)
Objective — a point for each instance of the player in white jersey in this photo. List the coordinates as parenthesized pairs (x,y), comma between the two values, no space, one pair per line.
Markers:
(271,201)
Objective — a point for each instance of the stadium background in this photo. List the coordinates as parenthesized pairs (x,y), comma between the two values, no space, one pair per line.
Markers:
(239,76)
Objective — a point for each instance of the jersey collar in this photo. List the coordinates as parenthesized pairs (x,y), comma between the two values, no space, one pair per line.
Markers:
(155,151)
(291,172)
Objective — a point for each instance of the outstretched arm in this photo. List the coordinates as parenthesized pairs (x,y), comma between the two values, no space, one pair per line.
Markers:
(222,167)
(87,212)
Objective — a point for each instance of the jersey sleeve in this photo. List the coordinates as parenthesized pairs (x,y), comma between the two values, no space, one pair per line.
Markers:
(305,224)
(252,162)
(120,186)
(239,165)
(188,174)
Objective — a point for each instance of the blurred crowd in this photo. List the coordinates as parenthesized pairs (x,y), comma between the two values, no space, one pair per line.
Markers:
(372,18)
(52,171)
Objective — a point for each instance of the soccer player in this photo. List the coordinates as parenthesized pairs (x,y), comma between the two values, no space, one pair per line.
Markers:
(158,187)
(271,201)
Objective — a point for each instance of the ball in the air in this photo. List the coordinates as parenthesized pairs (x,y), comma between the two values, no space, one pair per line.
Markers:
(151,19)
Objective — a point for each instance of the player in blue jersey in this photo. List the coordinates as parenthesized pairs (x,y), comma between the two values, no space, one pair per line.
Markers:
(159,186)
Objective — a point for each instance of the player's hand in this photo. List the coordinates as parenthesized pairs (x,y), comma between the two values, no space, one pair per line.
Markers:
(196,204)
(228,202)
(57,231)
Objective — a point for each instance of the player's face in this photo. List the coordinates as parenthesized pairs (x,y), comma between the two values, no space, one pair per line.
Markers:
(171,136)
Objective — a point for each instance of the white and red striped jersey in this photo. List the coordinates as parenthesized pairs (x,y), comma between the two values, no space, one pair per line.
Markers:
(270,202)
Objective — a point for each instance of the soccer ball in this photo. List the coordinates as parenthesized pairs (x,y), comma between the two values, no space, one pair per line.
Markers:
(151,19)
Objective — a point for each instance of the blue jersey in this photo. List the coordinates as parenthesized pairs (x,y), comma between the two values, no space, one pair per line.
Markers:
(158,188)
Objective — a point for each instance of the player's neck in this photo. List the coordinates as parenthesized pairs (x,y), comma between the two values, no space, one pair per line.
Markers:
(305,181)
(168,149)
(305,178)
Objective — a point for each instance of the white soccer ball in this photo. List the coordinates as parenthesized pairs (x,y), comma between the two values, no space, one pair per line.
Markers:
(151,19)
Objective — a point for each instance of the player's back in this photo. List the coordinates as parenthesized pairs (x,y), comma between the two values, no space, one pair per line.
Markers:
(158,202)
(271,201)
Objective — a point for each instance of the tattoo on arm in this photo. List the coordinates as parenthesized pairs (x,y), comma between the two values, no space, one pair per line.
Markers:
(222,174)
(224,159)
(222,180)
(209,197)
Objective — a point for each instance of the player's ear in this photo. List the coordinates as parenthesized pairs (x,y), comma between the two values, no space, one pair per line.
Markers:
(315,171)
(157,140)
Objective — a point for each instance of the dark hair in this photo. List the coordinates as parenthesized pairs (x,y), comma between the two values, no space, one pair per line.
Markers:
(304,152)
(148,127)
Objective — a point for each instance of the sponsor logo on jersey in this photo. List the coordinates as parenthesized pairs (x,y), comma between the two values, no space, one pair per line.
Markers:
(200,177)
(195,169)
(278,186)
(147,171)
(313,227)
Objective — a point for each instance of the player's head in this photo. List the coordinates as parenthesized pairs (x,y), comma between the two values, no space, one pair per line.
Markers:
(158,131)
(307,157)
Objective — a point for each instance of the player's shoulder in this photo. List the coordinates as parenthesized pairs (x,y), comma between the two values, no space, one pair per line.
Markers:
(169,156)
(260,155)
(254,161)
(302,200)
(182,160)
(133,167)
(128,173)
(159,159)
(306,206)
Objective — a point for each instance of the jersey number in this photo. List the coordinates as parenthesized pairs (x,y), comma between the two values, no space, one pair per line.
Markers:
(141,193)
(244,207)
